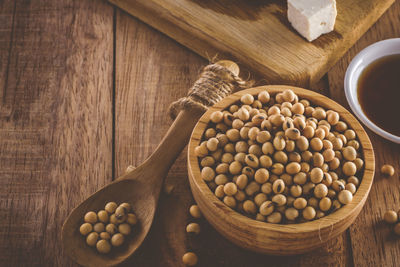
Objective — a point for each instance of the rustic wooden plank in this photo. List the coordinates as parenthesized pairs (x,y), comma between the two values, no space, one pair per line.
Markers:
(55,138)
(6,38)
(257,33)
(151,72)
(373,243)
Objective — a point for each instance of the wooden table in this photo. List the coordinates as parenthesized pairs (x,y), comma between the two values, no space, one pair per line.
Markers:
(84,93)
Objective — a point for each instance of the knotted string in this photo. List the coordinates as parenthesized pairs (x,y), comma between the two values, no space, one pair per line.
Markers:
(215,83)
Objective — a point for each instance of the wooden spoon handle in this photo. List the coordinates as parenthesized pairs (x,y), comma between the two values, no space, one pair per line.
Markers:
(179,133)
(174,140)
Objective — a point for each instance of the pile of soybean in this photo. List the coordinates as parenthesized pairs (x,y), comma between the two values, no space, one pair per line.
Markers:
(109,227)
(280,159)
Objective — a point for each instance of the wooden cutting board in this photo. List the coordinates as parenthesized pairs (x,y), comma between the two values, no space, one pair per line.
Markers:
(257,34)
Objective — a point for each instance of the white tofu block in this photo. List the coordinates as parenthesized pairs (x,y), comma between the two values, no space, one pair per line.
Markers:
(311,18)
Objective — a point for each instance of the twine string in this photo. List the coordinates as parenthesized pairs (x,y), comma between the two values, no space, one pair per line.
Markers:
(215,83)
(319,231)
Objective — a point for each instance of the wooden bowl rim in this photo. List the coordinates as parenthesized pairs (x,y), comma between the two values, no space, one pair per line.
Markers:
(319,224)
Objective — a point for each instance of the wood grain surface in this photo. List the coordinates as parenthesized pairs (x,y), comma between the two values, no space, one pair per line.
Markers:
(85,89)
(257,33)
(56,99)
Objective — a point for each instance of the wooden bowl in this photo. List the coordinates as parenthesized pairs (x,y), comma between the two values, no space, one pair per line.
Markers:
(278,239)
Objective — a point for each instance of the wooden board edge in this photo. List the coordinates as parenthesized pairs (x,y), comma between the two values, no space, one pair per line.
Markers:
(368,22)
(145,13)
(181,31)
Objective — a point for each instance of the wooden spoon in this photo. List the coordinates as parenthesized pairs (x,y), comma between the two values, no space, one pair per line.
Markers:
(140,187)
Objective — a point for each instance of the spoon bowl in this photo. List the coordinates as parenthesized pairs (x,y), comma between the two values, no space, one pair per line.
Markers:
(140,188)
(127,189)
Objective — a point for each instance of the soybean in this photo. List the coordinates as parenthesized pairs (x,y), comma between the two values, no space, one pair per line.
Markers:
(387,170)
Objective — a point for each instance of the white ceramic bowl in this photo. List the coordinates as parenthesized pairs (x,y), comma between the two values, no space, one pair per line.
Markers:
(356,67)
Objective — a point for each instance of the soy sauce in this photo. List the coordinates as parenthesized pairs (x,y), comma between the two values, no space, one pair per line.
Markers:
(379,93)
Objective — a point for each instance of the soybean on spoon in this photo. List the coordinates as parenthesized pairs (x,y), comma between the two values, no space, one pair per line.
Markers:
(141,188)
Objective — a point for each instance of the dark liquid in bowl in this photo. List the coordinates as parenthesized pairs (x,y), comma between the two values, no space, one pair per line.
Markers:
(379,93)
